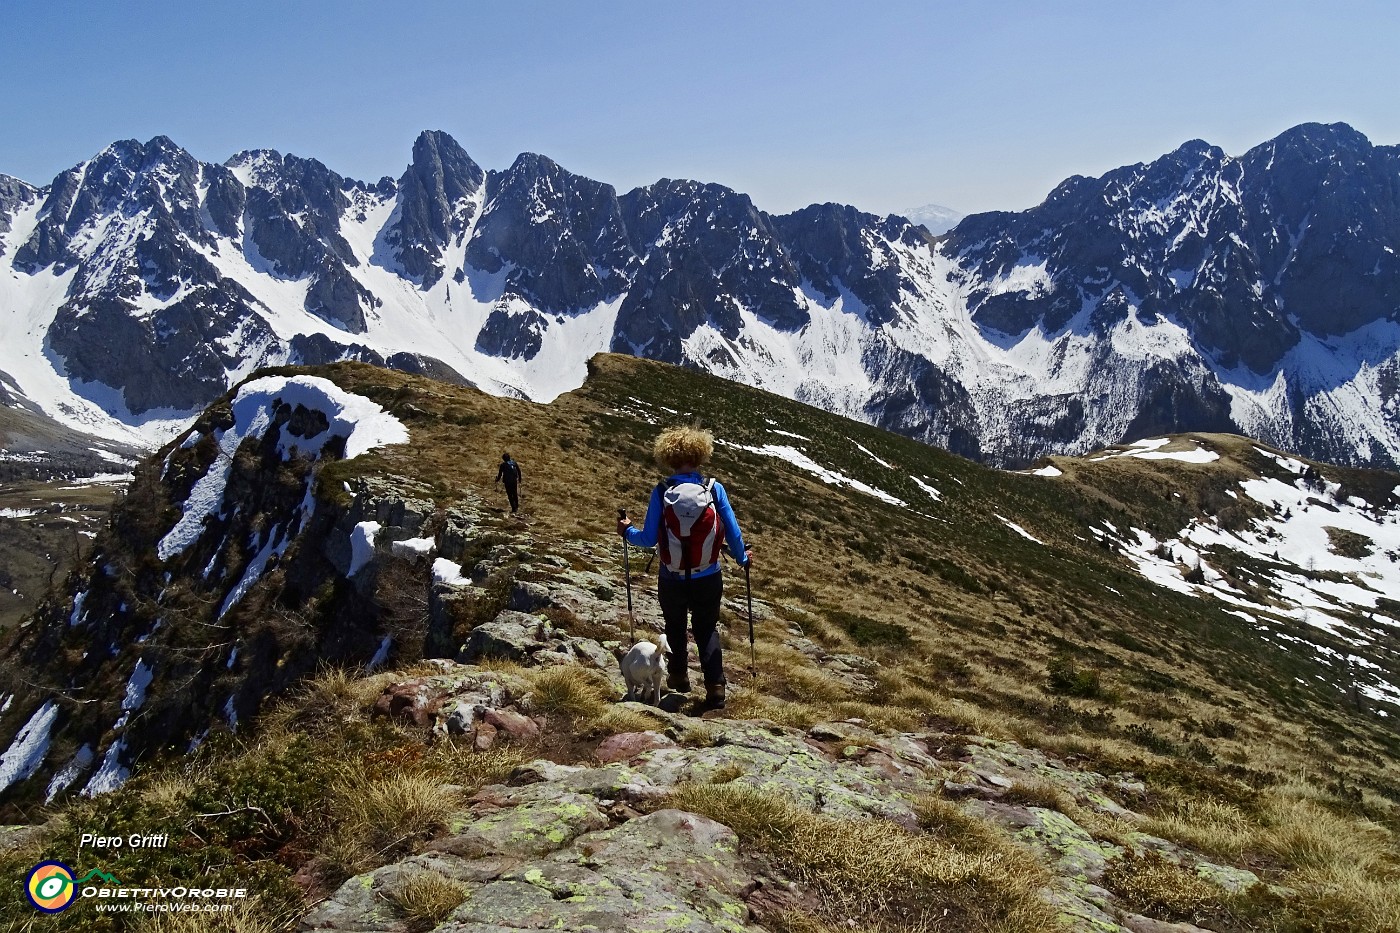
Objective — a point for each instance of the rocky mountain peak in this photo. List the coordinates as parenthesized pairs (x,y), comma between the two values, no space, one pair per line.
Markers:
(14,196)
(435,204)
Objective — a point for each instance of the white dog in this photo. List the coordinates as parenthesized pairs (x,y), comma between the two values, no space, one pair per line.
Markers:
(644,670)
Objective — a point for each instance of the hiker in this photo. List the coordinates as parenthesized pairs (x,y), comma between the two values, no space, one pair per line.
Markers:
(688,520)
(509,473)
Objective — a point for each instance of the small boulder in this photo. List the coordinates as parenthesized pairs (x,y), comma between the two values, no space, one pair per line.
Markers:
(516,725)
(628,745)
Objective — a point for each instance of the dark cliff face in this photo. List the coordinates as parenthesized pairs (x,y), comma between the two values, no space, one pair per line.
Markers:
(435,204)
(1242,252)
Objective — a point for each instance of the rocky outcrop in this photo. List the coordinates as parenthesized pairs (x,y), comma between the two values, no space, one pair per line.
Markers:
(594,845)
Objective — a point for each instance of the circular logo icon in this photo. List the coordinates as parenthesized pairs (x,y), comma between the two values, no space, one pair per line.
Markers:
(50,887)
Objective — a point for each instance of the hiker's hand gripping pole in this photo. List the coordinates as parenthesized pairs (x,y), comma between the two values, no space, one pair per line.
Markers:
(622,524)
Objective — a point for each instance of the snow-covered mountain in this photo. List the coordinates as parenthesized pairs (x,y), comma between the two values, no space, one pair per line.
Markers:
(1198,292)
(935,218)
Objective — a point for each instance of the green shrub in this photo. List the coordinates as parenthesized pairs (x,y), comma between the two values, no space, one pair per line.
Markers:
(1066,678)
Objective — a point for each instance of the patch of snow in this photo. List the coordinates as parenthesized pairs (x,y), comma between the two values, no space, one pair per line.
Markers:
(803,462)
(413,547)
(1048,470)
(1018,529)
(278,539)
(381,654)
(362,545)
(362,423)
(80,762)
(449,573)
(933,493)
(111,774)
(1199,455)
(26,753)
(77,614)
(884,463)
(136,686)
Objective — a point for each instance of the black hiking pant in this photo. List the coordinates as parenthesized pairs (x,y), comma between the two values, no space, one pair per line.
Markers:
(700,598)
(513,494)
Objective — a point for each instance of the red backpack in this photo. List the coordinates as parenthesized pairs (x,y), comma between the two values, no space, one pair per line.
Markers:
(691,534)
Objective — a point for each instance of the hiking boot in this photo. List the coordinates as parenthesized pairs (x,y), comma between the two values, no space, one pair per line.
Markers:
(678,681)
(714,696)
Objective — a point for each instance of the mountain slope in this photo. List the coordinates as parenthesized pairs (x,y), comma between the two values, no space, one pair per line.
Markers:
(932,598)
(1198,292)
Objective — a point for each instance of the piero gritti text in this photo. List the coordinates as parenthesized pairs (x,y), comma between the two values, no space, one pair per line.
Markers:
(133,841)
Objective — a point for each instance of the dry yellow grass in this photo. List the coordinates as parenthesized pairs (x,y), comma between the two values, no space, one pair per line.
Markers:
(426,898)
(615,720)
(569,692)
(377,816)
(877,872)
(471,769)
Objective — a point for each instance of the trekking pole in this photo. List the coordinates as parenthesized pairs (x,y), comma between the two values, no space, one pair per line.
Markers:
(748,590)
(627,572)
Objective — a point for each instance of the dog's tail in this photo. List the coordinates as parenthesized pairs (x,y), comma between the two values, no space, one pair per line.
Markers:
(662,643)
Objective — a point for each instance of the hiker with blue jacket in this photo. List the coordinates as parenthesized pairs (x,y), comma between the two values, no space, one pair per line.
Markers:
(689,519)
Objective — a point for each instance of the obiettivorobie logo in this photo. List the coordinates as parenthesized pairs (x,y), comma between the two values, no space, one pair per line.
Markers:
(51,886)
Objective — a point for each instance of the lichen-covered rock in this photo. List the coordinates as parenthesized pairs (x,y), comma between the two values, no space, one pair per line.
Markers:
(527,596)
(363,904)
(519,822)
(1136,923)
(593,654)
(1065,844)
(667,871)
(511,636)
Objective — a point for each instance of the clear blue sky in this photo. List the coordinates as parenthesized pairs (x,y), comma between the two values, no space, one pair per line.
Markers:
(885,105)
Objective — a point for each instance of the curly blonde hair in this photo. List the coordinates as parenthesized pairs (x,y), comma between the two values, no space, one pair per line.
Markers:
(685,446)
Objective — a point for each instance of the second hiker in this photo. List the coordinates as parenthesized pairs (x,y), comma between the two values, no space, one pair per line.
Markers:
(688,520)
(509,473)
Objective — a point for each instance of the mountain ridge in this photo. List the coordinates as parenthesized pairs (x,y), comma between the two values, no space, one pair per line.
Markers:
(1198,291)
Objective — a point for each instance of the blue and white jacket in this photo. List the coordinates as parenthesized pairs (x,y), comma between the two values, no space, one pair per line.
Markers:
(646,535)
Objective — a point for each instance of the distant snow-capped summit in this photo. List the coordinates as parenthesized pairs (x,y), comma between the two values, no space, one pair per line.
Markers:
(936,218)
